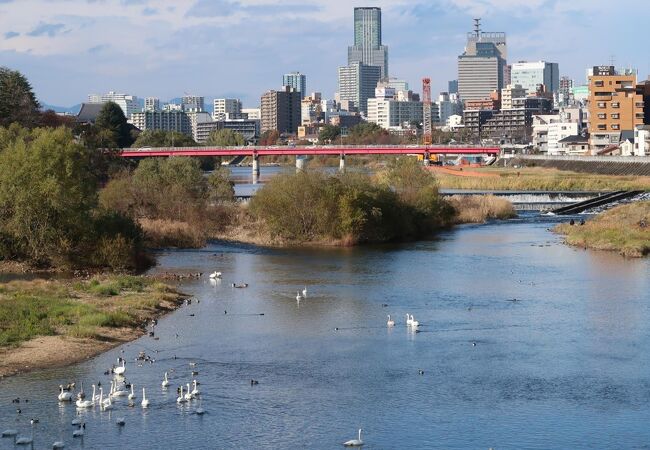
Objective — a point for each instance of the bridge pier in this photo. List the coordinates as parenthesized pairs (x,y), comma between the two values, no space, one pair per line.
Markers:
(342,163)
(300,163)
(426,160)
(256,168)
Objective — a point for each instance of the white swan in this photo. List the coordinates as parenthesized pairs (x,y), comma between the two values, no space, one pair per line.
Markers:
(104,404)
(165,382)
(65,396)
(118,393)
(145,400)
(58,444)
(78,433)
(298,296)
(119,370)
(87,403)
(181,397)
(408,320)
(188,394)
(354,442)
(414,323)
(304,292)
(195,391)
(215,274)
(132,394)
(390,322)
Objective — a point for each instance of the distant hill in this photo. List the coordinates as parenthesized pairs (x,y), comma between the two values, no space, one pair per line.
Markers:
(61,109)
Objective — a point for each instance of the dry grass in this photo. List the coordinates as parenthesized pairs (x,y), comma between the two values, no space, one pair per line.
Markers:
(480,208)
(542,179)
(619,229)
(161,233)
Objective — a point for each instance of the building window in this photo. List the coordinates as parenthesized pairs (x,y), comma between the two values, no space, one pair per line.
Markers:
(602,105)
(602,116)
(616,116)
(598,83)
(602,126)
(616,126)
(616,105)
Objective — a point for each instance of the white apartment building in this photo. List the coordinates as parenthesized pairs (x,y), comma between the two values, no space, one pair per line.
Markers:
(549,130)
(152,104)
(391,114)
(252,113)
(162,120)
(511,92)
(128,103)
(642,141)
(226,106)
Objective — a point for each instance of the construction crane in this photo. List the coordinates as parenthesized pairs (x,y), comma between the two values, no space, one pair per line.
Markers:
(426,109)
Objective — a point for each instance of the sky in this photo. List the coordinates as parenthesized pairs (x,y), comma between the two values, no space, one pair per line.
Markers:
(240,48)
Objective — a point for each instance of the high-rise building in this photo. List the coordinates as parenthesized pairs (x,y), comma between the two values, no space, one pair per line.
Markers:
(311,109)
(226,108)
(397,84)
(162,120)
(392,114)
(566,90)
(128,103)
(297,81)
(281,110)
(452,87)
(532,74)
(357,83)
(615,105)
(368,48)
(193,103)
(151,104)
(482,67)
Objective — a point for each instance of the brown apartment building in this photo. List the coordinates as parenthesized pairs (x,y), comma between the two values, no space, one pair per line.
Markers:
(280,110)
(615,105)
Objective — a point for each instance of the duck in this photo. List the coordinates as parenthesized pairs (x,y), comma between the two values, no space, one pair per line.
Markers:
(390,322)
(9,433)
(214,275)
(145,400)
(355,442)
(65,396)
(120,421)
(165,382)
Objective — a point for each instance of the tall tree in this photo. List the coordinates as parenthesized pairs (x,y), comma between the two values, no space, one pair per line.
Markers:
(161,138)
(18,103)
(112,121)
(225,138)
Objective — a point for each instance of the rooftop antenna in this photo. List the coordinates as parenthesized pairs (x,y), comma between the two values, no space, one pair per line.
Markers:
(477,27)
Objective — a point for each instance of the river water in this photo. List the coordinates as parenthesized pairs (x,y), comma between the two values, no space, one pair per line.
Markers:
(567,365)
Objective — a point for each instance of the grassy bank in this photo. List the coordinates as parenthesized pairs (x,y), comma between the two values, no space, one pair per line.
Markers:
(625,229)
(541,179)
(79,309)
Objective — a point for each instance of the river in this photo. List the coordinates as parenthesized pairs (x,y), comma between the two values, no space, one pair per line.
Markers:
(564,366)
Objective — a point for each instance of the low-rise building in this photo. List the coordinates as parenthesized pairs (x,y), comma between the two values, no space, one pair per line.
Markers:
(574,145)
(642,141)
(248,128)
(162,120)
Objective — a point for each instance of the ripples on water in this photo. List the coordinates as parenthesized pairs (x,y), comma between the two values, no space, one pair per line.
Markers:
(565,366)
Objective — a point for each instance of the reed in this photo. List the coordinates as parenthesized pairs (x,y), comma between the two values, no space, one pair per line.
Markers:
(480,208)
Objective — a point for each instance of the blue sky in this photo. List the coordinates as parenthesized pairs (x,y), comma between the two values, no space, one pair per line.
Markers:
(240,48)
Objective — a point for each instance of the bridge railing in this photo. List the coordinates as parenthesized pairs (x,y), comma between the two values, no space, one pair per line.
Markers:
(253,148)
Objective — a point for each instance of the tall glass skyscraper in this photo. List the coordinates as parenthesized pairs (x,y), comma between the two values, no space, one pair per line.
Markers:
(367,48)
(297,81)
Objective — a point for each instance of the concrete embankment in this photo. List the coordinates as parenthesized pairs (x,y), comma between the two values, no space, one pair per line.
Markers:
(603,165)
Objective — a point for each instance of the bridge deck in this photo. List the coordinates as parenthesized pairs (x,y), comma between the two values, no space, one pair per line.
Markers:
(308,150)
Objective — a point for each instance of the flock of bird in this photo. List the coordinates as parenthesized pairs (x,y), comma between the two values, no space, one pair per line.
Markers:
(119,388)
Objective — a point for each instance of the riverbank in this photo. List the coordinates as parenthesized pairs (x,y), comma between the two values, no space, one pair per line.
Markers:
(55,323)
(624,229)
(538,179)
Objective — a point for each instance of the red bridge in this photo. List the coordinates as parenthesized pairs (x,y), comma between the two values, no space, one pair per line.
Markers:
(340,150)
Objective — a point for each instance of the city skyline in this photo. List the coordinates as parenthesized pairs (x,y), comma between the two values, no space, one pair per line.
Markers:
(212,48)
